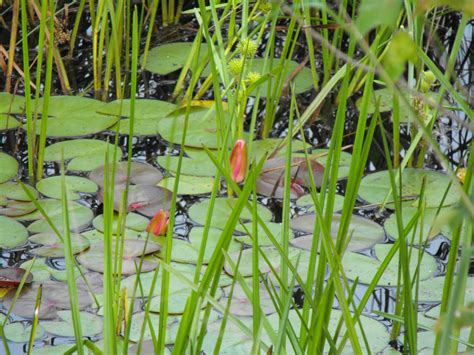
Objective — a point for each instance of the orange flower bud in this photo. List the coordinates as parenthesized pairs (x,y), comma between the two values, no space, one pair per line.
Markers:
(238,161)
(158,223)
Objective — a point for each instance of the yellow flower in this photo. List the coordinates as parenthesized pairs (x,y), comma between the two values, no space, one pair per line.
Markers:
(236,66)
(252,77)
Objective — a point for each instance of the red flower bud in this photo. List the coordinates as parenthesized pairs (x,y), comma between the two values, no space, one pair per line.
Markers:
(158,223)
(238,161)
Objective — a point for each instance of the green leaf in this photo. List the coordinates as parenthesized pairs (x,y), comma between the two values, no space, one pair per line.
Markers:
(369,14)
(91,324)
(9,167)
(189,185)
(11,103)
(17,332)
(12,233)
(400,50)
(52,247)
(74,184)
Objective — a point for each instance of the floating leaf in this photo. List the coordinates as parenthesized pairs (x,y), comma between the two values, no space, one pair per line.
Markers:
(202,129)
(40,270)
(8,122)
(91,324)
(170,57)
(365,267)
(11,103)
(132,250)
(271,179)
(321,155)
(133,221)
(375,187)
(145,199)
(263,239)
(242,306)
(83,154)
(431,290)
(147,347)
(222,210)
(79,216)
(14,191)
(53,247)
(17,332)
(189,185)
(60,349)
(303,81)
(306,201)
(140,174)
(139,321)
(234,340)
(363,232)
(268,145)
(9,167)
(425,224)
(50,187)
(195,163)
(300,260)
(55,296)
(12,233)
(177,301)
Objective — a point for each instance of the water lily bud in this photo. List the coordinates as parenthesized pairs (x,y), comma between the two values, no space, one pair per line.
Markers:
(247,47)
(236,66)
(252,77)
(159,223)
(238,161)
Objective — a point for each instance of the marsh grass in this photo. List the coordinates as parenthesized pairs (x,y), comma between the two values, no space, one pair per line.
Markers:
(118,31)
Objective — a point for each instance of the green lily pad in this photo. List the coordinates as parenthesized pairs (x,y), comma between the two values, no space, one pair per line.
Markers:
(170,57)
(303,81)
(51,187)
(139,320)
(177,301)
(52,246)
(13,208)
(363,232)
(79,216)
(202,129)
(188,252)
(234,340)
(9,167)
(40,270)
(196,163)
(306,201)
(321,156)
(268,145)
(300,260)
(189,185)
(147,347)
(427,225)
(222,210)
(12,233)
(74,116)
(91,324)
(83,154)
(263,239)
(375,187)
(93,259)
(241,306)
(11,103)
(133,221)
(17,332)
(245,266)
(14,191)
(365,267)
(8,122)
(431,290)
(60,349)
(386,103)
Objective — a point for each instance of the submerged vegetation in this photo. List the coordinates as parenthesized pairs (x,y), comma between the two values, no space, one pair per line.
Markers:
(236,177)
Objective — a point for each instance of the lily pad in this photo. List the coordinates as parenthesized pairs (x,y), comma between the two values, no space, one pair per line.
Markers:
(303,81)
(40,270)
(386,103)
(170,57)
(363,232)
(245,266)
(52,246)
(133,221)
(74,116)
(12,276)
(82,154)
(222,210)
(321,156)
(17,332)
(60,349)
(8,122)
(188,252)
(55,297)
(365,267)
(202,129)
(79,216)
(51,187)
(268,145)
(426,224)
(234,340)
(263,239)
(375,187)
(271,180)
(140,174)
(241,306)
(91,324)
(14,191)
(189,185)
(132,250)
(139,320)
(11,103)
(196,162)
(9,167)
(431,290)
(300,260)
(306,201)
(14,201)
(145,199)
(177,301)
(12,233)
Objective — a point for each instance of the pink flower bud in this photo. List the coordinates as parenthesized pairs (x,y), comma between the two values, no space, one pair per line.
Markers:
(158,223)
(238,161)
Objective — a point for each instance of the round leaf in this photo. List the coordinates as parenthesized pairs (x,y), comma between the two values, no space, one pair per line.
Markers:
(51,187)
(12,233)
(189,185)
(18,333)
(53,247)
(91,324)
(9,167)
